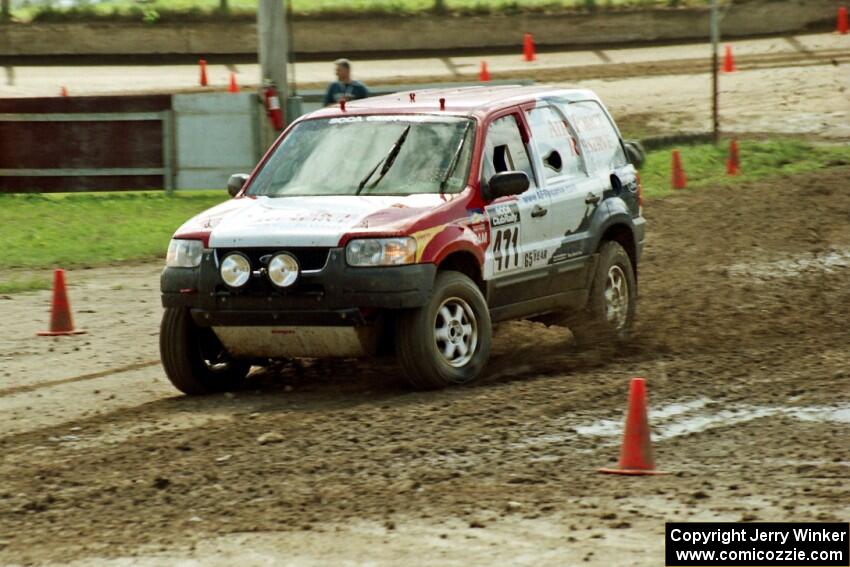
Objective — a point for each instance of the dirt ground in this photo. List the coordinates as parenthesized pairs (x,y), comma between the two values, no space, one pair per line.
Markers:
(742,336)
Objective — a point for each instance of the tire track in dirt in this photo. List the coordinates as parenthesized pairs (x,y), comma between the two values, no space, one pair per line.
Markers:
(92,376)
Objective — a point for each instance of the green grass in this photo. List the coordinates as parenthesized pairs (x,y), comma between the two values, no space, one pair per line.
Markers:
(46,231)
(18,285)
(40,232)
(705,164)
(153,11)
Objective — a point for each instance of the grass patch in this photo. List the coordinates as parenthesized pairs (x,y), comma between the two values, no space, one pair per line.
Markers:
(94,229)
(91,229)
(153,11)
(705,164)
(25,284)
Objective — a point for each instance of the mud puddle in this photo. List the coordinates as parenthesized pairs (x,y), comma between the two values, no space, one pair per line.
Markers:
(677,419)
(792,267)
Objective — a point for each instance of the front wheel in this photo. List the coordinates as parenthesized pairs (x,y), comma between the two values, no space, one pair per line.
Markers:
(610,311)
(447,341)
(194,359)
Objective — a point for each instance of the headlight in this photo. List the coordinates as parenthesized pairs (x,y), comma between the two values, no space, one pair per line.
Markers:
(235,269)
(381,251)
(283,270)
(184,253)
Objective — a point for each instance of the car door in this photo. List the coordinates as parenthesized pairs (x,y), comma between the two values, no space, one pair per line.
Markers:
(575,193)
(518,223)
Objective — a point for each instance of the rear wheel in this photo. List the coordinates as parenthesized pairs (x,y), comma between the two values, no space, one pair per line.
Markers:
(610,311)
(447,341)
(194,359)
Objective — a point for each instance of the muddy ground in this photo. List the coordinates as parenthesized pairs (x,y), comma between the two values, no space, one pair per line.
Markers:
(742,337)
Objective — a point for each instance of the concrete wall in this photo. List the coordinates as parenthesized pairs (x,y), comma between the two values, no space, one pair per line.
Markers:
(216,135)
(417,33)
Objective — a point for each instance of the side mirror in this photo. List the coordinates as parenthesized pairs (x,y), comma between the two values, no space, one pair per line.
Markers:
(553,161)
(505,184)
(635,153)
(236,183)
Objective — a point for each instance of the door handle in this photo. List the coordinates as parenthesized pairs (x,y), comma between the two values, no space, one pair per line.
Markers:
(539,211)
(592,199)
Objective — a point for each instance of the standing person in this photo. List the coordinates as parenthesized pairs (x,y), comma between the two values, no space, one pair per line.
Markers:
(344,88)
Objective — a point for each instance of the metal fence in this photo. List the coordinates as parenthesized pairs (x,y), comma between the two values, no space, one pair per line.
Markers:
(114,143)
(86,144)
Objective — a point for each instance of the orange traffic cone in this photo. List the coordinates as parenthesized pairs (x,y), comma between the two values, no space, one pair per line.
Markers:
(63,91)
(233,87)
(61,322)
(484,74)
(843,26)
(733,162)
(203,64)
(528,47)
(728,60)
(679,179)
(636,454)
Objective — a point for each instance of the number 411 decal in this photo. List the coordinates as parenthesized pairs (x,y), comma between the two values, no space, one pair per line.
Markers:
(506,249)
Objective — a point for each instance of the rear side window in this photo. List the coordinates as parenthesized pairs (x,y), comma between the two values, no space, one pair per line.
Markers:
(551,134)
(505,148)
(598,139)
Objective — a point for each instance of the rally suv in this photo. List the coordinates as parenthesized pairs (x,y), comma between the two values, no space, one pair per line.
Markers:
(410,224)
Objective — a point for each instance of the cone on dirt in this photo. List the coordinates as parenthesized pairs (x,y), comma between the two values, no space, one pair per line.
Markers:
(728,60)
(636,453)
(843,25)
(233,87)
(61,322)
(733,162)
(202,63)
(679,179)
(484,74)
(528,51)
(63,91)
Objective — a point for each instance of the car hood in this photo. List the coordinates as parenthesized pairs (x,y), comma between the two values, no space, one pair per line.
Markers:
(308,221)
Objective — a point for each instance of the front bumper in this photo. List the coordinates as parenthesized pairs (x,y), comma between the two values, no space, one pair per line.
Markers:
(334,295)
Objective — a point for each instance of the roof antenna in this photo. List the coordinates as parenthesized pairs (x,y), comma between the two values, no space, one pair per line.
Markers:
(412,97)
(342,105)
(442,104)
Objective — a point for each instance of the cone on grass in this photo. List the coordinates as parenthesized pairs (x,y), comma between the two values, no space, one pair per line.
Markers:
(733,162)
(202,63)
(61,322)
(233,87)
(679,180)
(728,60)
(636,454)
(484,74)
(528,50)
(843,25)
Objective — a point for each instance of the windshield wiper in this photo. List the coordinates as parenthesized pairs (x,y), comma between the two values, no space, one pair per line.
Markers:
(388,161)
(455,158)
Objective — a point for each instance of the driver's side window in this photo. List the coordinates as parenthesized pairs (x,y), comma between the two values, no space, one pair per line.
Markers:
(505,150)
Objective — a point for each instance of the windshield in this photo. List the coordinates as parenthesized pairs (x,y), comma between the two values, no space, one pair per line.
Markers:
(405,155)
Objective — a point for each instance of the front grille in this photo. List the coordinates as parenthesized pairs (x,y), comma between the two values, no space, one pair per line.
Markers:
(309,257)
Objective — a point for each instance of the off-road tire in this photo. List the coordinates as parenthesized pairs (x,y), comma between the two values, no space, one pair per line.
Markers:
(424,364)
(591,325)
(180,349)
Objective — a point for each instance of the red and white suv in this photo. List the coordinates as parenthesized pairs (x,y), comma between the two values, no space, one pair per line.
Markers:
(409,223)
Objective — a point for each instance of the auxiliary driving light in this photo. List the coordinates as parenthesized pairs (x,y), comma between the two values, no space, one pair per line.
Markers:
(283,270)
(235,269)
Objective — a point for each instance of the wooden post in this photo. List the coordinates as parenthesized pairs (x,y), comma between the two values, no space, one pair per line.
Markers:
(715,63)
(273,51)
